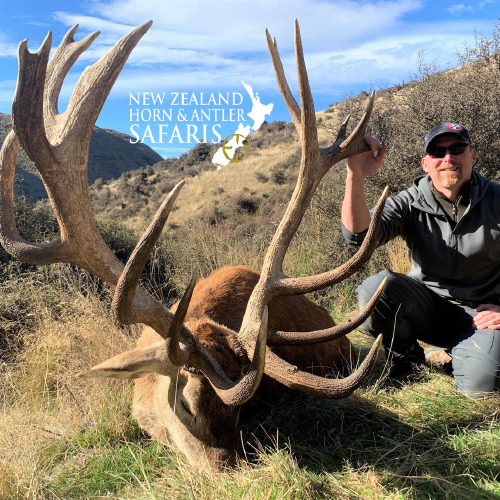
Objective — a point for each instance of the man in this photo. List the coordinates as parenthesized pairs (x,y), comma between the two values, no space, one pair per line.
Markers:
(450,220)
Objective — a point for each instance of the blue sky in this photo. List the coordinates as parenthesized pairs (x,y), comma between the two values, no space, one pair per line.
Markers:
(198,46)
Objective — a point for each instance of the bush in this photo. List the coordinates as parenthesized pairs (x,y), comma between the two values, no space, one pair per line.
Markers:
(247,204)
(278,175)
(261,177)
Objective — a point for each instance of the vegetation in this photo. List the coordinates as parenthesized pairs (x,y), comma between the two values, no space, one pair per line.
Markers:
(64,437)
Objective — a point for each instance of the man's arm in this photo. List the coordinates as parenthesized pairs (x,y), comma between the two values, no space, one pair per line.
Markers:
(355,212)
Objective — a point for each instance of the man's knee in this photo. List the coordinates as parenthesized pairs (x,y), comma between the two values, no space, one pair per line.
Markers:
(389,317)
(476,365)
(367,289)
(386,314)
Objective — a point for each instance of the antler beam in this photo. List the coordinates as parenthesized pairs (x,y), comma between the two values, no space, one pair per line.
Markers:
(315,163)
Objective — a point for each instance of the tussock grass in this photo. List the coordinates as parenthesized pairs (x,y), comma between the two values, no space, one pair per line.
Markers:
(43,401)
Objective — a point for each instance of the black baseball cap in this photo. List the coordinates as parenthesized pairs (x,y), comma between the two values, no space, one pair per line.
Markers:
(446,128)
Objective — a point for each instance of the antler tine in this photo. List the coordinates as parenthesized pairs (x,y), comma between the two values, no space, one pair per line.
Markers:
(306,284)
(13,243)
(27,106)
(344,147)
(123,300)
(317,386)
(310,147)
(61,62)
(239,393)
(290,101)
(314,337)
(172,339)
(97,80)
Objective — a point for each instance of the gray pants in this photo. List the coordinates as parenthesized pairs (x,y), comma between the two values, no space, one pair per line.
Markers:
(409,311)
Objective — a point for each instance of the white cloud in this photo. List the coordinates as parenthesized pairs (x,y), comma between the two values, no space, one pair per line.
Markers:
(217,44)
(458,9)
(205,44)
(7,47)
(233,27)
(7,89)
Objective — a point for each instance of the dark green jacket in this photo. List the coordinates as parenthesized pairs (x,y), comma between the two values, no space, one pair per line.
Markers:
(461,264)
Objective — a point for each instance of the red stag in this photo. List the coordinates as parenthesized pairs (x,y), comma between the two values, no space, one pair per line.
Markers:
(199,362)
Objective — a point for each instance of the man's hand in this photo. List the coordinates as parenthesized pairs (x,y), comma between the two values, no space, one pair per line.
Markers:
(355,212)
(367,163)
(488,317)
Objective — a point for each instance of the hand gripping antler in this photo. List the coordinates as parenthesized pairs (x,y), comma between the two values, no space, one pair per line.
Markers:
(58,145)
(315,164)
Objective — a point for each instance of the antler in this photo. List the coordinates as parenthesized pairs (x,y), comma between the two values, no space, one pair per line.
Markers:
(174,331)
(315,164)
(58,145)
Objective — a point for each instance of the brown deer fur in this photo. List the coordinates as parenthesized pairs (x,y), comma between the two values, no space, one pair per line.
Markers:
(218,303)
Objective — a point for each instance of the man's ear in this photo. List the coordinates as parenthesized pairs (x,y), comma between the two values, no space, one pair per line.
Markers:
(424,165)
(474,156)
(134,364)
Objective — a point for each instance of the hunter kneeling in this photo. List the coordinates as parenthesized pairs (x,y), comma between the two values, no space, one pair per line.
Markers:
(450,221)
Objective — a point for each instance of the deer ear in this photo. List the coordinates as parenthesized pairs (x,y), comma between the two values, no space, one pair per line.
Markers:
(134,364)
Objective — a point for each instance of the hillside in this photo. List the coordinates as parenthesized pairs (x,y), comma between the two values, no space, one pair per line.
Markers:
(111,154)
(129,192)
(402,115)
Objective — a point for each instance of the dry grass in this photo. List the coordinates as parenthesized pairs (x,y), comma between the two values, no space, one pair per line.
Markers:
(64,437)
(43,400)
(398,256)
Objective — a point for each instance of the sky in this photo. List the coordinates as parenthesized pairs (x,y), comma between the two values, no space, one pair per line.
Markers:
(196,50)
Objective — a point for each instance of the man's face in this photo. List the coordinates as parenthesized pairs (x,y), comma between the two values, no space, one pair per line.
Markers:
(450,173)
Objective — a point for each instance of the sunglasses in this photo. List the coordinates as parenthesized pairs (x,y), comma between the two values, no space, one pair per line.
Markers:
(440,151)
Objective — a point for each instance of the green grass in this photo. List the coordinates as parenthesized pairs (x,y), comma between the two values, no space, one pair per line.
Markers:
(62,437)
(424,441)
(102,468)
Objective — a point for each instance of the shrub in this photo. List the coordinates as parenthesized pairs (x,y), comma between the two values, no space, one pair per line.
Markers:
(261,177)
(278,175)
(247,204)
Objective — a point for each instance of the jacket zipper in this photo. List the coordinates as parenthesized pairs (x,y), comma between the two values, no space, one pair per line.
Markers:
(453,247)
(453,241)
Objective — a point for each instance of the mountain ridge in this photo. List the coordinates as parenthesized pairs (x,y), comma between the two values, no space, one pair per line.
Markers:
(111,154)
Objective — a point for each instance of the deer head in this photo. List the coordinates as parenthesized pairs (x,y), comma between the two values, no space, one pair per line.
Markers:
(198,363)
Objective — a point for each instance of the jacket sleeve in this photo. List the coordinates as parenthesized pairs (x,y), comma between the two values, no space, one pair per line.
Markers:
(395,221)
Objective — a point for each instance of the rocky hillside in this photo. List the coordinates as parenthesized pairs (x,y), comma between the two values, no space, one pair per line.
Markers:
(111,154)
(402,115)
